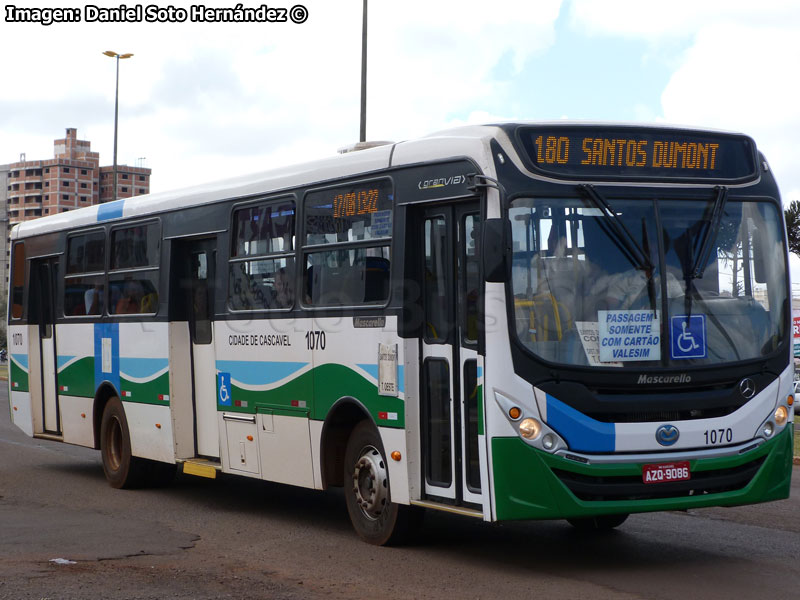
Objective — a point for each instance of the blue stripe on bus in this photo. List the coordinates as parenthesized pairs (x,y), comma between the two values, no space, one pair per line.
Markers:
(109,331)
(140,368)
(110,210)
(62,360)
(581,433)
(258,372)
(372,369)
(21,360)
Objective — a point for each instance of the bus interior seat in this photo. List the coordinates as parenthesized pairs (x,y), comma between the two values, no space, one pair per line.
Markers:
(376,279)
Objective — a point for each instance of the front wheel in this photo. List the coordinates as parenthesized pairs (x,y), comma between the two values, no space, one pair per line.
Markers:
(375,517)
(598,523)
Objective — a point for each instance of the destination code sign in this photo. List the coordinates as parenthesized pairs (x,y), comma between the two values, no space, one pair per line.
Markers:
(351,212)
(635,153)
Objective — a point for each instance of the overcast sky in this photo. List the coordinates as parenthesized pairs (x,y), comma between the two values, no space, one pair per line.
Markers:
(206,101)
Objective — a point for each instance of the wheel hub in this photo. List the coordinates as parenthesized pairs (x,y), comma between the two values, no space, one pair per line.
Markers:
(115,445)
(370,482)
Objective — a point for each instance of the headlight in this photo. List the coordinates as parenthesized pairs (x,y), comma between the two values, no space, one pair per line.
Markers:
(780,416)
(530,429)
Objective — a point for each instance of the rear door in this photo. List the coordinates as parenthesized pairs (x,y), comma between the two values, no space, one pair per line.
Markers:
(42,298)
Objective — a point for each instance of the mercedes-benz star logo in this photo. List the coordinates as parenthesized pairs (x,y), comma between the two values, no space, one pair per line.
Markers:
(666,435)
(747,388)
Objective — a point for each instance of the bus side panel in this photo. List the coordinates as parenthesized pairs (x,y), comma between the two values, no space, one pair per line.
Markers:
(35,377)
(76,420)
(21,414)
(180,389)
(278,436)
(413,454)
(264,372)
(143,375)
(289,373)
(315,428)
(350,361)
(500,378)
(18,379)
(76,381)
(357,361)
(151,431)
(395,440)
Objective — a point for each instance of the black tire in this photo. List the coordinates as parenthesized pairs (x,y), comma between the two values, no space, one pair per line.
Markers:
(598,523)
(376,519)
(122,469)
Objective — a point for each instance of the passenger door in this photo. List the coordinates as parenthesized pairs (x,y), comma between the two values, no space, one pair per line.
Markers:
(452,368)
(195,263)
(42,298)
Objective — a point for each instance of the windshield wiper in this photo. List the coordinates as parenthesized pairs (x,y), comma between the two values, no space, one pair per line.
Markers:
(623,236)
(701,261)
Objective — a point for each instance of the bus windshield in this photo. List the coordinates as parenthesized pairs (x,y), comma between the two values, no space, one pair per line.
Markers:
(622,284)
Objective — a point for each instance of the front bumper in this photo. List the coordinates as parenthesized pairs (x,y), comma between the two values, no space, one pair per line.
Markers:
(531,484)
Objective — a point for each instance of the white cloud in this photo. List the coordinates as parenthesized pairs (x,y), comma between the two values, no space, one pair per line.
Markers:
(740,77)
(656,21)
(735,69)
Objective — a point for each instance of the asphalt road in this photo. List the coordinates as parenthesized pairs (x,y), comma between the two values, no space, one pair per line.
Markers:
(241,538)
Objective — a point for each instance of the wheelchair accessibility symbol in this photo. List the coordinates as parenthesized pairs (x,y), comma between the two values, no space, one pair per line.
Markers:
(688,336)
(224,389)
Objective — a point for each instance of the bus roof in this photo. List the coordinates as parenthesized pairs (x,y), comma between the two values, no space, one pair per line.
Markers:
(467,141)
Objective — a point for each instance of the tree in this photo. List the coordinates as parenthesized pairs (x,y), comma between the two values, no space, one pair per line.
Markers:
(792,215)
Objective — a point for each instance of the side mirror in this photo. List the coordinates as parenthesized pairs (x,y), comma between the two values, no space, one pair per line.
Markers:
(493,250)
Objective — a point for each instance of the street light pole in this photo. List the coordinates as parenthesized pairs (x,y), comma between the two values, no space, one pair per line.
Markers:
(363,134)
(113,54)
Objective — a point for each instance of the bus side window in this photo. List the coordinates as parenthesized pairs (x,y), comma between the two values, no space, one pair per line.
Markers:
(261,267)
(18,281)
(84,281)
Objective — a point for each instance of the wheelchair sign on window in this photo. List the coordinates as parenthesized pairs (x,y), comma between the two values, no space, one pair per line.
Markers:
(688,336)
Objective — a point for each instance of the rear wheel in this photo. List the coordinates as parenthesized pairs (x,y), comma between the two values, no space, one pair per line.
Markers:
(122,469)
(375,517)
(598,523)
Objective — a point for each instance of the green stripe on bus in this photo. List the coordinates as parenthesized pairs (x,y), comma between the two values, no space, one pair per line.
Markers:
(18,378)
(77,378)
(319,389)
(155,391)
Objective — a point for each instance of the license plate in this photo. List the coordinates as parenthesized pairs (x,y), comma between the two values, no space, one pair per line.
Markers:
(666,472)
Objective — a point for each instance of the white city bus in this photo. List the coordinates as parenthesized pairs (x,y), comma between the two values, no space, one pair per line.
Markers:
(520,321)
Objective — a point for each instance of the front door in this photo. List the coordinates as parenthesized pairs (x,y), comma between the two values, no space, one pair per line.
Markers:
(44,278)
(452,368)
(195,262)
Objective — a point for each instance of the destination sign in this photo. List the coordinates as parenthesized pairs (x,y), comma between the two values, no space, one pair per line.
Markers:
(352,212)
(632,153)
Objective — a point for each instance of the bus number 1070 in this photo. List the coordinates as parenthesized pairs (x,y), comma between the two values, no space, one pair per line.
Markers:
(718,436)
(315,340)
